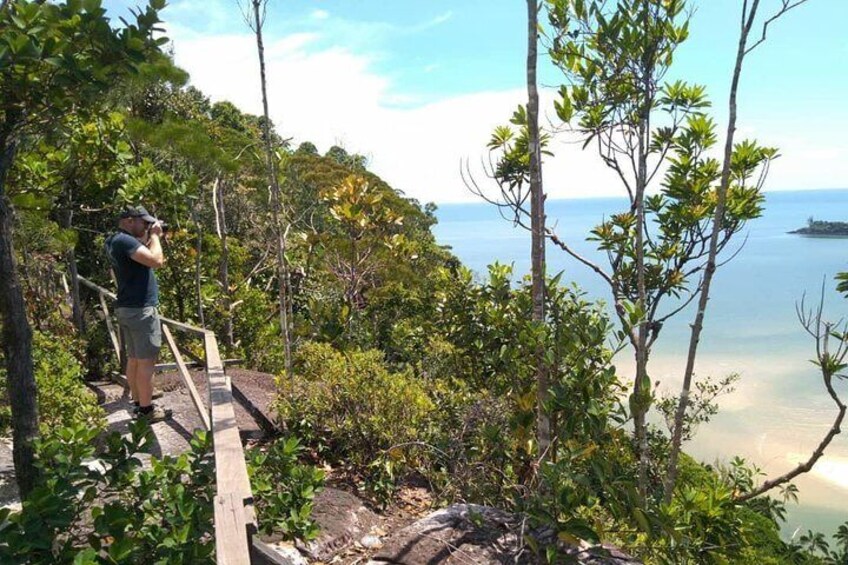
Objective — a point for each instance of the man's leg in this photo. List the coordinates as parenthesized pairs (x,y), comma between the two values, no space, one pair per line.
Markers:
(132,379)
(148,344)
(144,381)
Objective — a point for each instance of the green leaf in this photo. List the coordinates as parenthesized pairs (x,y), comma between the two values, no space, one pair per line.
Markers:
(121,549)
(641,519)
(564,107)
(86,557)
(19,23)
(581,529)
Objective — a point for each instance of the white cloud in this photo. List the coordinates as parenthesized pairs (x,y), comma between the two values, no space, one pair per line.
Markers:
(320,14)
(210,16)
(440,19)
(808,162)
(333,96)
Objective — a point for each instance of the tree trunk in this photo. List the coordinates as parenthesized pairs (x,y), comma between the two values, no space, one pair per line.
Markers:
(17,343)
(224,269)
(66,220)
(537,229)
(718,220)
(198,267)
(642,384)
(282,270)
(76,302)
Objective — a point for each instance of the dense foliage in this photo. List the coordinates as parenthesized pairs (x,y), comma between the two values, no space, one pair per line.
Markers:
(63,398)
(407,367)
(104,498)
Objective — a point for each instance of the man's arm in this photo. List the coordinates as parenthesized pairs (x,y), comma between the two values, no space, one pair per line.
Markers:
(150,255)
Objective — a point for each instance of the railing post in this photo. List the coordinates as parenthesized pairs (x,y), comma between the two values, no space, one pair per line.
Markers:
(113,336)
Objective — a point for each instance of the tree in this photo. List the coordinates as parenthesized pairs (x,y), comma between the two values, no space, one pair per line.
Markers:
(615,60)
(749,16)
(831,341)
(52,58)
(537,228)
(340,155)
(255,19)
(69,172)
(367,225)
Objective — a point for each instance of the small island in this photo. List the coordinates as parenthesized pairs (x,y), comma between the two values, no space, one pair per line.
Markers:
(820,228)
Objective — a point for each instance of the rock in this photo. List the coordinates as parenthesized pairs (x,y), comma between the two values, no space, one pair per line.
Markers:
(604,554)
(469,533)
(281,553)
(342,518)
(462,533)
(371,542)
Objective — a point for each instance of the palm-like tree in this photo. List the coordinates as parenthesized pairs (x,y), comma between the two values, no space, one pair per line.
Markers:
(815,542)
(840,556)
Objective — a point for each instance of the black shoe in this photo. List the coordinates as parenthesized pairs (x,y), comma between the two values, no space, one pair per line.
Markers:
(156,415)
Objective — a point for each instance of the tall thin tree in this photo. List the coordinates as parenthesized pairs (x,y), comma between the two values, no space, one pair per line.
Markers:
(749,15)
(255,19)
(219,205)
(537,227)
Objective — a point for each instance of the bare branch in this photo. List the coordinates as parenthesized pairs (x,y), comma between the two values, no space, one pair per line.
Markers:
(734,254)
(682,306)
(827,362)
(246,13)
(562,245)
(787,5)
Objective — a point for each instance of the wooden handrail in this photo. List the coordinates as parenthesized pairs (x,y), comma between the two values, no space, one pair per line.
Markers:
(173,323)
(234,502)
(96,288)
(114,336)
(186,376)
(235,518)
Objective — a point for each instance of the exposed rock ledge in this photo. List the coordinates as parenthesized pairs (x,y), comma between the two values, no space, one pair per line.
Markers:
(458,534)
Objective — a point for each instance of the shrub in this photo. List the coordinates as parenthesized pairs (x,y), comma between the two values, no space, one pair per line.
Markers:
(474,435)
(267,352)
(351,401)
(284,489)
(93,507)
(98,357)
(252,320)
(63,398)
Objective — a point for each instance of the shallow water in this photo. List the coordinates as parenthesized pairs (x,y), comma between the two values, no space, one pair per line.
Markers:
(780,409)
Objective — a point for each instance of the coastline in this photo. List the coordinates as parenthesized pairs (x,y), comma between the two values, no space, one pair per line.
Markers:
(780,409)
(820,235)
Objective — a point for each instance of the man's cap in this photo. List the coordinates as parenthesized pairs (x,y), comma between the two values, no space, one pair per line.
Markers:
(137,212)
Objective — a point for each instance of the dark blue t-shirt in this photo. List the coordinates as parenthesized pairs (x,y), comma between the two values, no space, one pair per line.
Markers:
(137,286)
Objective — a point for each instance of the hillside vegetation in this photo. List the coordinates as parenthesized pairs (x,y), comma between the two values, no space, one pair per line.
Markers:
(396,363)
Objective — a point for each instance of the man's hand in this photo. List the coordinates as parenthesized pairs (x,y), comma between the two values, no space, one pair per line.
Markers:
(150,254)
(156,229)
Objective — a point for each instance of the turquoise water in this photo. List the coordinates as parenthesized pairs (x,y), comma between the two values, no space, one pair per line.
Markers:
(780,409)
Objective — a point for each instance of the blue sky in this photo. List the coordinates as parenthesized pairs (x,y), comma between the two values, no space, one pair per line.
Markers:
(418,85)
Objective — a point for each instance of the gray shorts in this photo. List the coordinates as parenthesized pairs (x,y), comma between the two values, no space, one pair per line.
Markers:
(141,330)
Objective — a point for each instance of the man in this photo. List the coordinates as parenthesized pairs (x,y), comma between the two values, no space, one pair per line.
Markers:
(135,251)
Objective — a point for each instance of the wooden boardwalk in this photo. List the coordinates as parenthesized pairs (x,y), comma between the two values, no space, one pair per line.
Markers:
(207,404)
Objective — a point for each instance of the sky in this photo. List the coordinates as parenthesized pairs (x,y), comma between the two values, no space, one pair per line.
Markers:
(417,86)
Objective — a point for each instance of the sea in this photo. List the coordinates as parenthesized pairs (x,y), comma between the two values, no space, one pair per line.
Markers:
(780,409)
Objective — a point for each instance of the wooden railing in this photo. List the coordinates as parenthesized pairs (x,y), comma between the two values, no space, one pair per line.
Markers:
(235,519)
